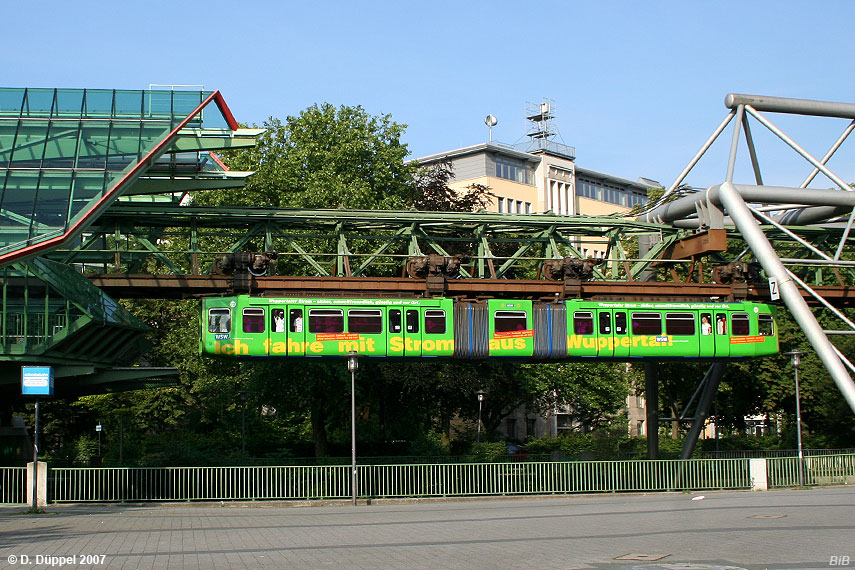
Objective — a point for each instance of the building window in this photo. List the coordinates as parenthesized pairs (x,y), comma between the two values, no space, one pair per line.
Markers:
(528,207)
(513,170)
(530,427)
(500,205)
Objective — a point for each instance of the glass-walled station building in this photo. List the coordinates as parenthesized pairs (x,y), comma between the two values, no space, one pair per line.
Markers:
(66,157)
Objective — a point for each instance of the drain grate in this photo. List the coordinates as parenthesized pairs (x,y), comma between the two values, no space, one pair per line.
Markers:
(639,556)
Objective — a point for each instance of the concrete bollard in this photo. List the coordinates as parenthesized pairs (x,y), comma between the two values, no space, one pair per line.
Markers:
(42,484)
(759,477)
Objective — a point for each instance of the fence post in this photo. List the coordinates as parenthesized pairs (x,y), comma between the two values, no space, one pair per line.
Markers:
(42,484)
(758,474)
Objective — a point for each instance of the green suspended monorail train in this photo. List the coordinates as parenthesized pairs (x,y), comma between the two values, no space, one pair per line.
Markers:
(247,326)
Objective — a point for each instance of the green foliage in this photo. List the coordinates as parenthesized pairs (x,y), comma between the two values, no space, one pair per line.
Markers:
(326,157)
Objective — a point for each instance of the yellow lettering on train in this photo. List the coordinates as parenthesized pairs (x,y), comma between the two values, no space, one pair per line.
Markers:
(267,346)
(494,344)
(348,345)
(445,345)
(241,347)
(396,344)
(602,342)
(574,341)
(280,348)
(626,342)
(589,342)
(317,347)
(296,346)
(519,343)
(428,345)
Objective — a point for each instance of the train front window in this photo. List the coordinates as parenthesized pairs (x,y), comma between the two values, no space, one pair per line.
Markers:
(680,324)
(583,322)
(253,320)
(219,320)
(739,322)
(509,321)
(434,322)
(766,325)
(326,321)
(394,320)
(647,323)
(369,321)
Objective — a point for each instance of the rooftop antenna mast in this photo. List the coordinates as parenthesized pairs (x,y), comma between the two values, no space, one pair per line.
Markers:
(491,121)
(540,117)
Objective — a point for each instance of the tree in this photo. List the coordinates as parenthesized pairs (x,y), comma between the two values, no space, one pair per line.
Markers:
(325,157)
(433,192)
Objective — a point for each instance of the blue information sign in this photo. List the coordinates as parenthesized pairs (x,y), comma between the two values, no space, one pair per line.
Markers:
(37,380)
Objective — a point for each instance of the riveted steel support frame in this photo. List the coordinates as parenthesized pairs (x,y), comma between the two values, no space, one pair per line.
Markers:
(711,381)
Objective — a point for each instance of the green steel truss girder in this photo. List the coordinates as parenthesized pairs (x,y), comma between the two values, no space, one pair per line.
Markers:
(331,242)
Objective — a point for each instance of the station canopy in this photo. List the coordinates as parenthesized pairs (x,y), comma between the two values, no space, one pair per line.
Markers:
(67,154)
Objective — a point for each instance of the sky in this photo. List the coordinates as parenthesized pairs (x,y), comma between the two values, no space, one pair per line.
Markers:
(636,86)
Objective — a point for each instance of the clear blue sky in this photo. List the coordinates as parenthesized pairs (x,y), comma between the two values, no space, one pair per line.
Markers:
(637,86)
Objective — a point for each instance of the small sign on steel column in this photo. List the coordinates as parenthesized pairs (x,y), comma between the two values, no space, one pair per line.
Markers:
(36,381)
(774,291)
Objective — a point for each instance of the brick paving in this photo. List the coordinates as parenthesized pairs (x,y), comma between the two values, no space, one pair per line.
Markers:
(788,529)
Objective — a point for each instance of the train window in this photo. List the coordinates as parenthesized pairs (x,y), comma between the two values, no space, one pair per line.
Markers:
(412,321)
(739,322)
(620,323)
(394,320)
(605,323)
(647,323)
(583,322)
(277,320)
(253,320)
(766,324)
(720,323)
(219,320)
(368,321)
(706,323)
(507,321)
(680,324)
(435,321)
(295,320)
(326,320)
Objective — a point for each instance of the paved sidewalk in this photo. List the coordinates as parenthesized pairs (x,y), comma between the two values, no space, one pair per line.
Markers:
(795,529)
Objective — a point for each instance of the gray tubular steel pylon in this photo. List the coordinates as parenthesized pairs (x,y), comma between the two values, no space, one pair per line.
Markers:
(725,205)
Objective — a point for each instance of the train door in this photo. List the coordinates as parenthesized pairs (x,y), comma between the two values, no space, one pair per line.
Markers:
(621,335)
(605,334)
(706,340)
(325,334)
(403,330)
(742,341)
(721,329)
(287,336)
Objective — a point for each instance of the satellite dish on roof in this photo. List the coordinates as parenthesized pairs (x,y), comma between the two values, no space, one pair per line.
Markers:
(491,121)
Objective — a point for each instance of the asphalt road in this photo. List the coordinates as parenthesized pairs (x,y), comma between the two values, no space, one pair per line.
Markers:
(794,529)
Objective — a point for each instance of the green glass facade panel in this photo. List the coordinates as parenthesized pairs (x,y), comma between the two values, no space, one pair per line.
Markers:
(63,150)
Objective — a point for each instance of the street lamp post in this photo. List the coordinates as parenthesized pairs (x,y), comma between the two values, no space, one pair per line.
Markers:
(352,365)
(795,356)
(480,394)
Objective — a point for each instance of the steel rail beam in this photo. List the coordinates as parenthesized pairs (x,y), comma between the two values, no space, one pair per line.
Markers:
(185,286)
